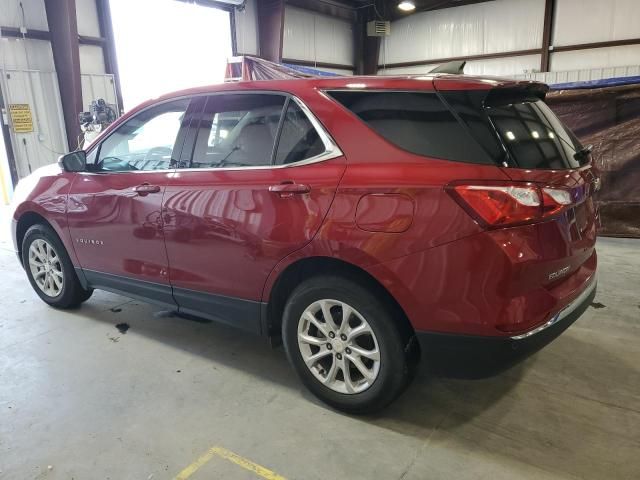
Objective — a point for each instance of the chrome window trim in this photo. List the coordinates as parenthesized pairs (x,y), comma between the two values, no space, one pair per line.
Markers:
(565,312)
(331,147)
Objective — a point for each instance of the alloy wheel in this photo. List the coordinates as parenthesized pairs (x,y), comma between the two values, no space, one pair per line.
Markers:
(46,267)
(338,346)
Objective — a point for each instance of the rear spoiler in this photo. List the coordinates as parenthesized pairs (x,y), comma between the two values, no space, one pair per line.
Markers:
(517,91)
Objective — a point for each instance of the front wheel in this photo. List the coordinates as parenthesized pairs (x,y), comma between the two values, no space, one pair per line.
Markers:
(50,270)
(345,345)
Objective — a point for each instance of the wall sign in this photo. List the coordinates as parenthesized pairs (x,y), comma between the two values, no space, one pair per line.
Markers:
(21,117)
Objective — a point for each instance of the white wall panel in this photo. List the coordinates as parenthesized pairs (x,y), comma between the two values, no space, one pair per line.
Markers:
(91,59)
(491,27)
(587,21)
(314,37)
(596,58)
(583,75)
(419,70)
(507,66)
(26,54)
(48,140)
(34,13)
(247,29)
(87,18)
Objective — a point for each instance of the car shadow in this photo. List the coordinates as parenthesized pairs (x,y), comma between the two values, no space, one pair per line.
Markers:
(420,407)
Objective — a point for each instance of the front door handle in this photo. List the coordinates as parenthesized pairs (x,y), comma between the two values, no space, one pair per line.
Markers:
(289,189)
(146,189)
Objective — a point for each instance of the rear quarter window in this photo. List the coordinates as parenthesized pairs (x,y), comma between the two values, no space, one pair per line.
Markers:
(415,121)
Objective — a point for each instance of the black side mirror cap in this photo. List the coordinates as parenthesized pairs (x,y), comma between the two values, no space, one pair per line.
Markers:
(74,161)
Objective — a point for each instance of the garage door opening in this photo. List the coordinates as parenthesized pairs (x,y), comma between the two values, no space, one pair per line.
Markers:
(167,45)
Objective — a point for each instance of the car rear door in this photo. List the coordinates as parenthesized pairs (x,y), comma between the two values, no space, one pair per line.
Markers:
(114,208)
(262,176)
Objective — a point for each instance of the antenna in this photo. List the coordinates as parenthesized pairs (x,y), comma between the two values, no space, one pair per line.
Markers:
(456,68)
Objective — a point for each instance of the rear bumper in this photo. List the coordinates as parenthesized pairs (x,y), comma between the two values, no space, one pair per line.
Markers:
(581,302)
(472,356)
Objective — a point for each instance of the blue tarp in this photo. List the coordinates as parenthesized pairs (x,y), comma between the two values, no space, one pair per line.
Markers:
(605,82)
(311,71)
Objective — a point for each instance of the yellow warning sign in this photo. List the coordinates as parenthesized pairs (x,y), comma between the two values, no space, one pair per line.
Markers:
(21,117)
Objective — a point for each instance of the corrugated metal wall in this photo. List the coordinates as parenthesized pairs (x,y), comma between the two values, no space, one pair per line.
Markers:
(492,27)
(514,25)
(308,37)
(313,37)
(28,76)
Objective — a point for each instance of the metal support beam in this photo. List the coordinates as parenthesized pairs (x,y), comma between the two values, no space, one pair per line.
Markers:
(588,46)
(547,35)
(331,8)
(61,16)
(109,47)
(366,48)
(270,29)
(6,135)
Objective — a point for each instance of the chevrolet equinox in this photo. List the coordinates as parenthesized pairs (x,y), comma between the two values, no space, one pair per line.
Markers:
(356,218)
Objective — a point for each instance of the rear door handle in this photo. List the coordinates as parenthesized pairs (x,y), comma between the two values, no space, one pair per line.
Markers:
(146,189)
(290,189)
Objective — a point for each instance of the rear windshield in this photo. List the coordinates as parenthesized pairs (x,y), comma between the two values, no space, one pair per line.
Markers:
(534,136)
(417,122)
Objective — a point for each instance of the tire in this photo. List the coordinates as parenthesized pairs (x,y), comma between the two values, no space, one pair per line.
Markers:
(44,257)
(394,368)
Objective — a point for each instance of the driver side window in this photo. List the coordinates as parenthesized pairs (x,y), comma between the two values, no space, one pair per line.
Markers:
(144,142)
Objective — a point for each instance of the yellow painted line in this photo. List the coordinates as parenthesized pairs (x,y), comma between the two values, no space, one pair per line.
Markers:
(191,469)
(232,457)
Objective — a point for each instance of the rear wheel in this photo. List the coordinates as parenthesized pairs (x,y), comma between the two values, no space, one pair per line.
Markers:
(50,270)
(344,344)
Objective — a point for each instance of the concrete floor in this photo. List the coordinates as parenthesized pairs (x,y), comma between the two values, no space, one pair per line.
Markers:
(93,403)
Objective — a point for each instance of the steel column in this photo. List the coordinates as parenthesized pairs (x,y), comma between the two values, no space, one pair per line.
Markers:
(270,29)
(63,27)
(109,47)
(547,35)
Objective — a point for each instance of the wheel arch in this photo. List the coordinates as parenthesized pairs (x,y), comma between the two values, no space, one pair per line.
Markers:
(25,222)
(308,267)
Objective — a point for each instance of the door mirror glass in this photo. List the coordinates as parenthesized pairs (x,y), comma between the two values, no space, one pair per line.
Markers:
(74,161)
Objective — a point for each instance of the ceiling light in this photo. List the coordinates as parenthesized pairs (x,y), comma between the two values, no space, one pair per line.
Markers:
(407,6)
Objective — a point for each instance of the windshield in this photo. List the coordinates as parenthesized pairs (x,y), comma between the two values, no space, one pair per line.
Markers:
(534,136)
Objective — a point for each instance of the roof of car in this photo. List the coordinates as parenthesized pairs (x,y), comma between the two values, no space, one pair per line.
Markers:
(439,81)
(415,82)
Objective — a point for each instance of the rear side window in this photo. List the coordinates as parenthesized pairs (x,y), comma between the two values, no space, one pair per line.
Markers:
(299,140)
(417,122)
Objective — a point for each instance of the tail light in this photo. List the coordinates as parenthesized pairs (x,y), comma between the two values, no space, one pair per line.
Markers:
(501,205)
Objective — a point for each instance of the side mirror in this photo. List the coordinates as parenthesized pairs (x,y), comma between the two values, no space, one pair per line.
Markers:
(74,161)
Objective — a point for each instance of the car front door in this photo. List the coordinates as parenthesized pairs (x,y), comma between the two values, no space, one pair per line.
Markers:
(114,208)
(262,176)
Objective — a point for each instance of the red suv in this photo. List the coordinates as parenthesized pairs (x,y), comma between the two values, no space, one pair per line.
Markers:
(362,219)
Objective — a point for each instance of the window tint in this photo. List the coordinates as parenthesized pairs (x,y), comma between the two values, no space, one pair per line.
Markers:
(417,122)
(144,142)
(299,140)
(468,105)
(534,136)
(237,130)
